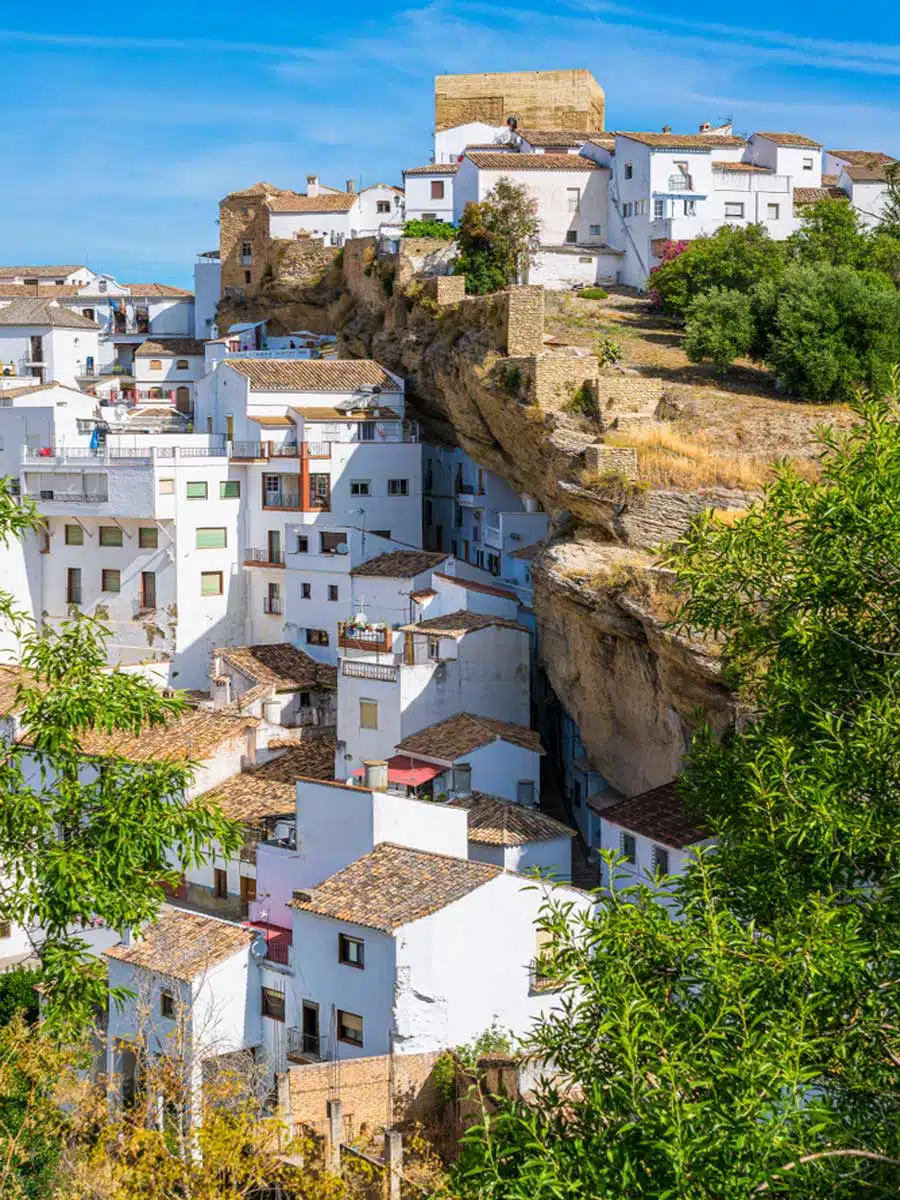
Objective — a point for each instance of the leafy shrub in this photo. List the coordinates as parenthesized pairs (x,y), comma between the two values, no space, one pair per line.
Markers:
(443,1076)
(17,994)
(608,351)
(510,379)
(430,229)
(498,238)
(730,258)
(719,327)
(592,293)
(582,400)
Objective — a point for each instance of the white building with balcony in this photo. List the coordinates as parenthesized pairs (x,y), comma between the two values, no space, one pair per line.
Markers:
(42,340)
(168,371)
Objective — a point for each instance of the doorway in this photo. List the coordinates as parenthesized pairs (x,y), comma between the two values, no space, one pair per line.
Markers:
(310,1027)
(183,399)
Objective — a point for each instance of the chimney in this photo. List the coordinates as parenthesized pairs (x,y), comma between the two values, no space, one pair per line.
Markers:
(705,127)
(312,185)
(376,775)
(351,187)
(667,128)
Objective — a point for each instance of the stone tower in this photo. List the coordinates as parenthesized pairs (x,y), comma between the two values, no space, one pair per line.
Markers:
(572,100)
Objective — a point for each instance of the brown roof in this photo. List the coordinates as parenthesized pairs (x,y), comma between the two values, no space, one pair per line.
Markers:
(317,413)
(156,289)
(43,291)
(393,886)
(27,389)
(260,189)
(273,422)
(458,624)
(790,139)
(556,137)
(247,798)
(812,195)
(862,158)
(750,168)
(184,945)
(526,553)
(606,141)
(494,821)
(41,272)
(175,347)
(433,169)
(312,757)
(868,172)
(327,202)
(422,594)
(400,564)
(36,311)
(658,814)
(192,735)
(281,665)
(472,585)
(312,374)
(499,161)
(682,141)
(455,736)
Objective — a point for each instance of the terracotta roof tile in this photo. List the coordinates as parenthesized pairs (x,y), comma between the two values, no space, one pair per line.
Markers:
(683,141)
(812,195)
(51,272)
(433,169)
(172,348)
(790,139)
(458,624)
(327,202)
(192,735)
(281,665)
(868,172)
(658,814)
(312,757)
(473,585)
(500,161)
(247,798)
(861,158)
(317,413)
(156,289)
(556,137)
(11,679)
(526,553)
(184,945)
(42,292)
(400,564)
(393,886)
(312,374)
(494,821)
(34,311)
(743,167)
(462,733)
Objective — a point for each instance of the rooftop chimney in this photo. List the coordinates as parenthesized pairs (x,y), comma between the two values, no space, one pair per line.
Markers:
(351,187)
(376,775)
(312,185)
(705,126)
(667,128)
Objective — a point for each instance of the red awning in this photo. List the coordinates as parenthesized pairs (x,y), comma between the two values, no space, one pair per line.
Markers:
(408,771)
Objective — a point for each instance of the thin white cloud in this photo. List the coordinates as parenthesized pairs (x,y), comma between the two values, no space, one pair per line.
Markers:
(114,42)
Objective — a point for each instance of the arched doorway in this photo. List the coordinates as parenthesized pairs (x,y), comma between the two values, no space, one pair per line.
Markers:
(183,399)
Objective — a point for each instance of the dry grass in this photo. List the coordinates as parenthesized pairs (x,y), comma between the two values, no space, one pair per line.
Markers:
(666,458)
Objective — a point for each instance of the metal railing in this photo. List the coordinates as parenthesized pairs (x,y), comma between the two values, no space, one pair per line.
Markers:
(247,450)
(68,496)
(50,455)
(285,450)
(255,555)
(306,1045)
(352,637)
(283,498)
(278,952)
(384,673)
(680,183)
(273,606)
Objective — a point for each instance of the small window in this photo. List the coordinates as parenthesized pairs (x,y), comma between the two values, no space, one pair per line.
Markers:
(316,637)
(351,951)
(110,535)
(368,714)
(167,487)
(332,591)
(167,1005)
(88,312)
(690,208)
(74,535)
(212,538)
(246,249)
(629,170)
(382,206)
(230,489)
(272,1004)
(182,364)
(110,581)
(772,211)
(573,199)
(148,537)
(398,487)
(660,860)
(628,847)
(305,591)
(155,364)
(220,883)
(434,648)
(329,542)
(525,792)
(807,164)
(359,487)
(302,544)
(437,189)
(626,210)
(382,533)
(596,230)
(462,778)
(571,236)
(734,208)
(248,277)
(429,216)
(350,1028)
(197,490)
(659,210)
(211,583)
(5,929)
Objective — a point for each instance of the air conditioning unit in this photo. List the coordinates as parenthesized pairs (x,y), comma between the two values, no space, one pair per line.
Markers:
(46,495)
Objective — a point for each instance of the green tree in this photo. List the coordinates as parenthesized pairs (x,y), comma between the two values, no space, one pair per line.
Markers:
(429,229)
(733,258)
(752,1045)
(719,327)
(87,837)
(890,213)
(498,238)
(18,995)
(831,235)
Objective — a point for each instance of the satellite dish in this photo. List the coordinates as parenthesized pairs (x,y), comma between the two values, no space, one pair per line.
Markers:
(259,947)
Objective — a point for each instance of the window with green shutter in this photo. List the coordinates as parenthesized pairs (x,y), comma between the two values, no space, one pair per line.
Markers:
(110,535)
(74,535)
(212,539)
(230,489)
(110,581)
(148,537)
(197,490)
(211,583)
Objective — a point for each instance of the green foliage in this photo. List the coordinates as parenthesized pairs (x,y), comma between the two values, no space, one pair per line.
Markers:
(608,351)
(890,212)
(582,400)
(17,995)
(430,229)
(592,293)
(831,235)
(733,258)
(750,1046)
(443,1076)
(494,1040)
(719,327)
(498,238)
(510,379)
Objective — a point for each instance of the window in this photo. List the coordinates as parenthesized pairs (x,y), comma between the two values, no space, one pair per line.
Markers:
(167,1005)
(807,164)
(167,487)
(629,171)
(316,637)
(734,208)
(350,1028)
(659,209)
(368,714)
(365,431)
(429,513)
(73,585)
(772,211)
(573,199)
(74,535)
(220,883)
(351,951)
(155,364)
(5,929)
(571,236)
(458,516)
(525,792)
(197,490)
(437,189)
(359,487)
(110,535)
(148,589)
(148,537)
(332,591)
(230,489)
(628,847)
(382,206)
(398,487)
(88,312)
(211,583)
(382,533)
(462,778)
(660,860)
(246,249)
(319,490)
(596,230)
(248,277)
(272,1004)
(690,208)
(101,286)
(429,216)
(627,209)
(182,364)
(434,648)
(305,591)
(212,538)
(302,544)
(329,542)
(110,581)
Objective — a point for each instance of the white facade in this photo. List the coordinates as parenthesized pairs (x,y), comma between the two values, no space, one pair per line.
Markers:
(48,353)
(449,144)
(552,857)
(380,204)
(207,291)
(429,192)
(169,371)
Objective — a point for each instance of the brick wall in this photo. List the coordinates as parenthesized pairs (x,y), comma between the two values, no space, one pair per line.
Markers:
(570,99)
(364,1089)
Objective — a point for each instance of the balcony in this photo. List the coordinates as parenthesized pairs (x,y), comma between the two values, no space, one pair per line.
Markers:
(69,495)
(285,450)
(380,672)
(282,497)
(376,639)
(306,1047)
(54,456)
(680,183)
(493,537)
(264,558)
(246,450)
(273,606)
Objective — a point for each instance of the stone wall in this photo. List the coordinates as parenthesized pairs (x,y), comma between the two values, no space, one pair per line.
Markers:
(619,460)
(424,256)
(299,260)
(243,218)
(376,1092)
(570,99)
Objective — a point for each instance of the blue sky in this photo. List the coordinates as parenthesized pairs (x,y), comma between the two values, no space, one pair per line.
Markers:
(124,125)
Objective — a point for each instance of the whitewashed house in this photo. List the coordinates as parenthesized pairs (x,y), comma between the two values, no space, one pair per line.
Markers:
(429,192)
(380,204)
(67,275)
(168,371)
(651,832)
(277,683)
(861,175)
(41,340)
(450,144)
(516,838)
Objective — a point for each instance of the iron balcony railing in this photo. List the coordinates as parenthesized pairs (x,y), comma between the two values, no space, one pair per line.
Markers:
(306,1045)
(271,557)
(352,637)
(680,183)
(247,450)
(283,498)
(384,673)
